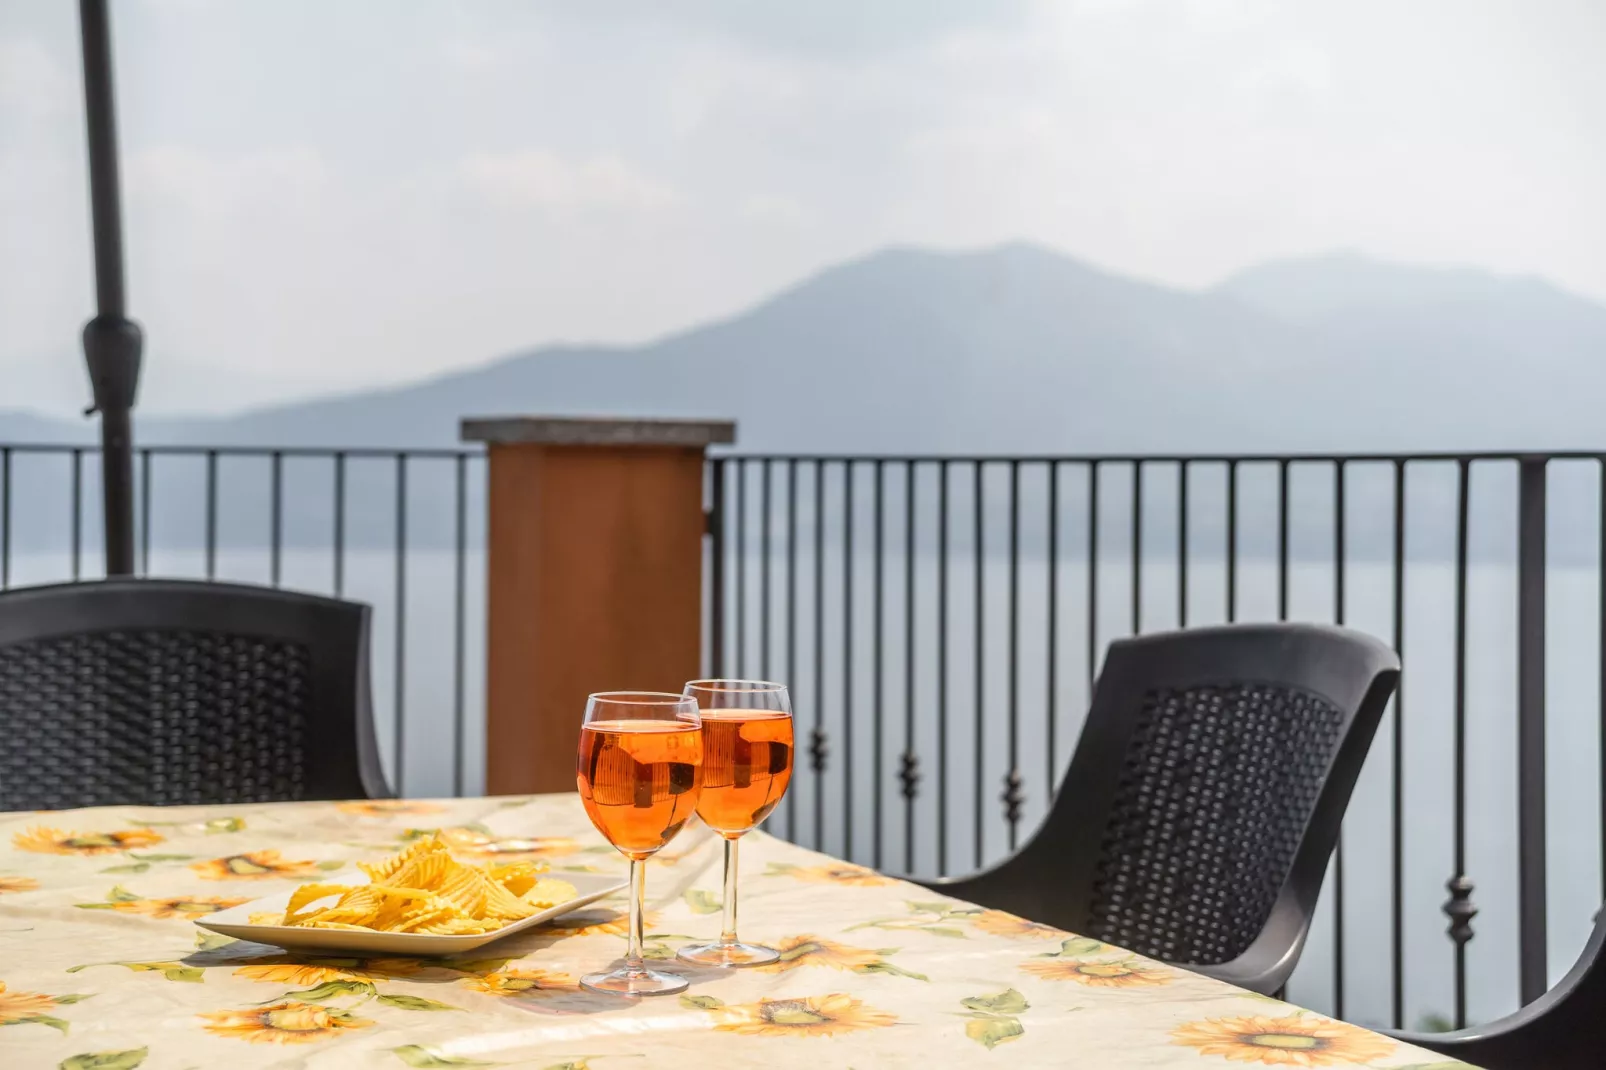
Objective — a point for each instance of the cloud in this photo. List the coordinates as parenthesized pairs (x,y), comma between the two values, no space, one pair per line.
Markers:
(537,178)
(31,82)
(212,182)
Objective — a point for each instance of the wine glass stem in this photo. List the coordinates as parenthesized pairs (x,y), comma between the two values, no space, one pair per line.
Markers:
(729,935)
(638,907)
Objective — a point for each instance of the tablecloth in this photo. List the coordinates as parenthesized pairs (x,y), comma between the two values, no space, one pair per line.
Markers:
(101,966)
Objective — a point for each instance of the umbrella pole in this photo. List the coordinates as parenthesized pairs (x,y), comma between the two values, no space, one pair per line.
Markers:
(112,342)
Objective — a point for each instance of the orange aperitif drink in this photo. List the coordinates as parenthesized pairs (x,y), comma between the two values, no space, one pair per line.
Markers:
(639,770)
(639,780)
(747,764)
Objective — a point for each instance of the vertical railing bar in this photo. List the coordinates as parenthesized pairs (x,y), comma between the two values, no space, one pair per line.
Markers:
(339,549)
(1459,737)
(1532,894)
(718,517)
(276,517)
(1012,789)
(847,659)
(1092,577)
(401,622)
(941,797)
(460,629)
(1397,829)
(1338,848)
(77,514)
(1600,575)
(981,663)
(877,697)
(1282,540)
(211,514)
(1232,541)
(1052,639)
(5,517)
(818,741)
(1137,547)
(145,511)
(791,619)
(764,571)
(909,768)
(739,519)
(1182,544)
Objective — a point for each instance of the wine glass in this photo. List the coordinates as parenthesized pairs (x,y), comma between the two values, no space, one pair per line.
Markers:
(747,764)
(639,770)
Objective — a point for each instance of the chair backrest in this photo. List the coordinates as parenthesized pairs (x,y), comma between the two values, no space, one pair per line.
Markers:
(1206,793)
(160,692)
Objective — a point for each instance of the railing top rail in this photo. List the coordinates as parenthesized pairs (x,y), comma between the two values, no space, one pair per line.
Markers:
(1171,458)
(190,450)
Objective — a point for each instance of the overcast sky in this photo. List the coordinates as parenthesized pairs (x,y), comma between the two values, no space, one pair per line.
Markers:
(324,195)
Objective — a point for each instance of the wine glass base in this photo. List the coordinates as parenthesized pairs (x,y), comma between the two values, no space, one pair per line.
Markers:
(734,954)
(635,983)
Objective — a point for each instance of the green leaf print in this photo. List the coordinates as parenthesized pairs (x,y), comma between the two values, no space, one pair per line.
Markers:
(1008,1001)
(702,901)
(887,967)
(329,990)
(415,1003)
(416,1055)
(701,1003)
(105,1060)
(992,1032)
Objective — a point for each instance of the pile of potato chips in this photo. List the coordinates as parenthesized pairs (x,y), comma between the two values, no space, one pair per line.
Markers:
(425,890)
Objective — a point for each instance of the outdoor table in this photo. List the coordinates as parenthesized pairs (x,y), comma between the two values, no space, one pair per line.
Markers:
(102,967)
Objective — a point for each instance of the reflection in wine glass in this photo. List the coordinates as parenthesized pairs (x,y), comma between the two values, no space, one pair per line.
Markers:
(639,770)
(747,765)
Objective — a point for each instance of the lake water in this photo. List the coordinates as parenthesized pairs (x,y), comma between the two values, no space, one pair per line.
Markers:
(430,685)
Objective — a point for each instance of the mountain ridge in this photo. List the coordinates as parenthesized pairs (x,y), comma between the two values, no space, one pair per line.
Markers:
(1019,348)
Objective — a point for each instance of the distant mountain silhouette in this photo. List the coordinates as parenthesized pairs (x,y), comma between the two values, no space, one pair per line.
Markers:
(1020,349)
(1015,349)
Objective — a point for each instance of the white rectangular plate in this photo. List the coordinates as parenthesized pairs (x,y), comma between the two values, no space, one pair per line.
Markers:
(235,922)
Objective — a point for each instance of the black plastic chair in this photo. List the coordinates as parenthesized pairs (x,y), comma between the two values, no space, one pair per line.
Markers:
(159,692)
(1205,796)
(1561,1030)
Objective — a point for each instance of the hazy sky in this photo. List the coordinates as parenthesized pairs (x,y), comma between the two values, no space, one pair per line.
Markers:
(322,195)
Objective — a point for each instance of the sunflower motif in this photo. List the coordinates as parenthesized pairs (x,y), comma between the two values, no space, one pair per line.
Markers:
(1117,973)
(15,1006)
(290,1022)
(841,873)
(522,982)
(17,884)
(178,906)
(388,807)
(818,1016)
(1003,923)
(809,950)
(295,973)
(285,970)
(1294,1041)
(618,925)
(254,866)
(42,840)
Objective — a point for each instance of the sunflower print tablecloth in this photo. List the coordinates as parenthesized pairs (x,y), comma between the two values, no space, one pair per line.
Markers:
(101,968)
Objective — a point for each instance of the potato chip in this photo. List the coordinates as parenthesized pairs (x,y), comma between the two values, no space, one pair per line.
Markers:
(423,889)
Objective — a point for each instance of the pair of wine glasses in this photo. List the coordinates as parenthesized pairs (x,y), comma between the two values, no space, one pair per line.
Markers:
(648,760)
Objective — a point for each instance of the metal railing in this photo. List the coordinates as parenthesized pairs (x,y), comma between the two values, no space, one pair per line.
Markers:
(395,528)
(942,618)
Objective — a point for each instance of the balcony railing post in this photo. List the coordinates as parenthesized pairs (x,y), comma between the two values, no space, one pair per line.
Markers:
(594,559)
(1531,507)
